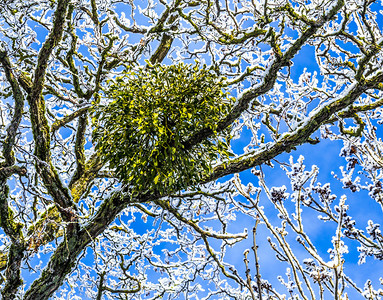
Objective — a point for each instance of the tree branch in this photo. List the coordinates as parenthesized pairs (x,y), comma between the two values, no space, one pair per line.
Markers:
(79,186)
(13,230)
(40,127)
(69,118)
(268,81)
(288,141)
(63,259)
(66,254)
(167,40)
(17,114)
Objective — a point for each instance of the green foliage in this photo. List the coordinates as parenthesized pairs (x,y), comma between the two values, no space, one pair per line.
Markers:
(153,111)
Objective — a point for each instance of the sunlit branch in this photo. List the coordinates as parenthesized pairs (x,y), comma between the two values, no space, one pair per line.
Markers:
(39,121)
(166,40)
(92,167)
(69,118)
(288,142)
(16,252)
(255,251)
(10,225)
(18,111)
(279,234)
(268,80)
(248,278)
(192,223)
(235,277)
(102,287)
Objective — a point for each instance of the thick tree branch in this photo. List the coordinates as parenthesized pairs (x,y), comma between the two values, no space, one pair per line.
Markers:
(69,118)
(46,50)
(288,141)
(69,57)
(79,147)
(79,186)
(60,264)
(166,40)
(13,230)
(65,256)
(162,49)
(18,111)
(39,121)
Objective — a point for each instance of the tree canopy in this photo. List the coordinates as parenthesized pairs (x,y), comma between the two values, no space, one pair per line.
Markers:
(155,149)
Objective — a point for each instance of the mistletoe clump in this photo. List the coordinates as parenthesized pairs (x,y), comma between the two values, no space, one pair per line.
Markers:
(141,133)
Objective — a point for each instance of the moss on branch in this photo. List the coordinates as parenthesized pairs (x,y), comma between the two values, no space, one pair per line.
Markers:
(269,79)
(289,141)
(40,127)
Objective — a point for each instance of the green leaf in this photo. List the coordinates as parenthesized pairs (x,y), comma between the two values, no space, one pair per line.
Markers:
(156,179)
